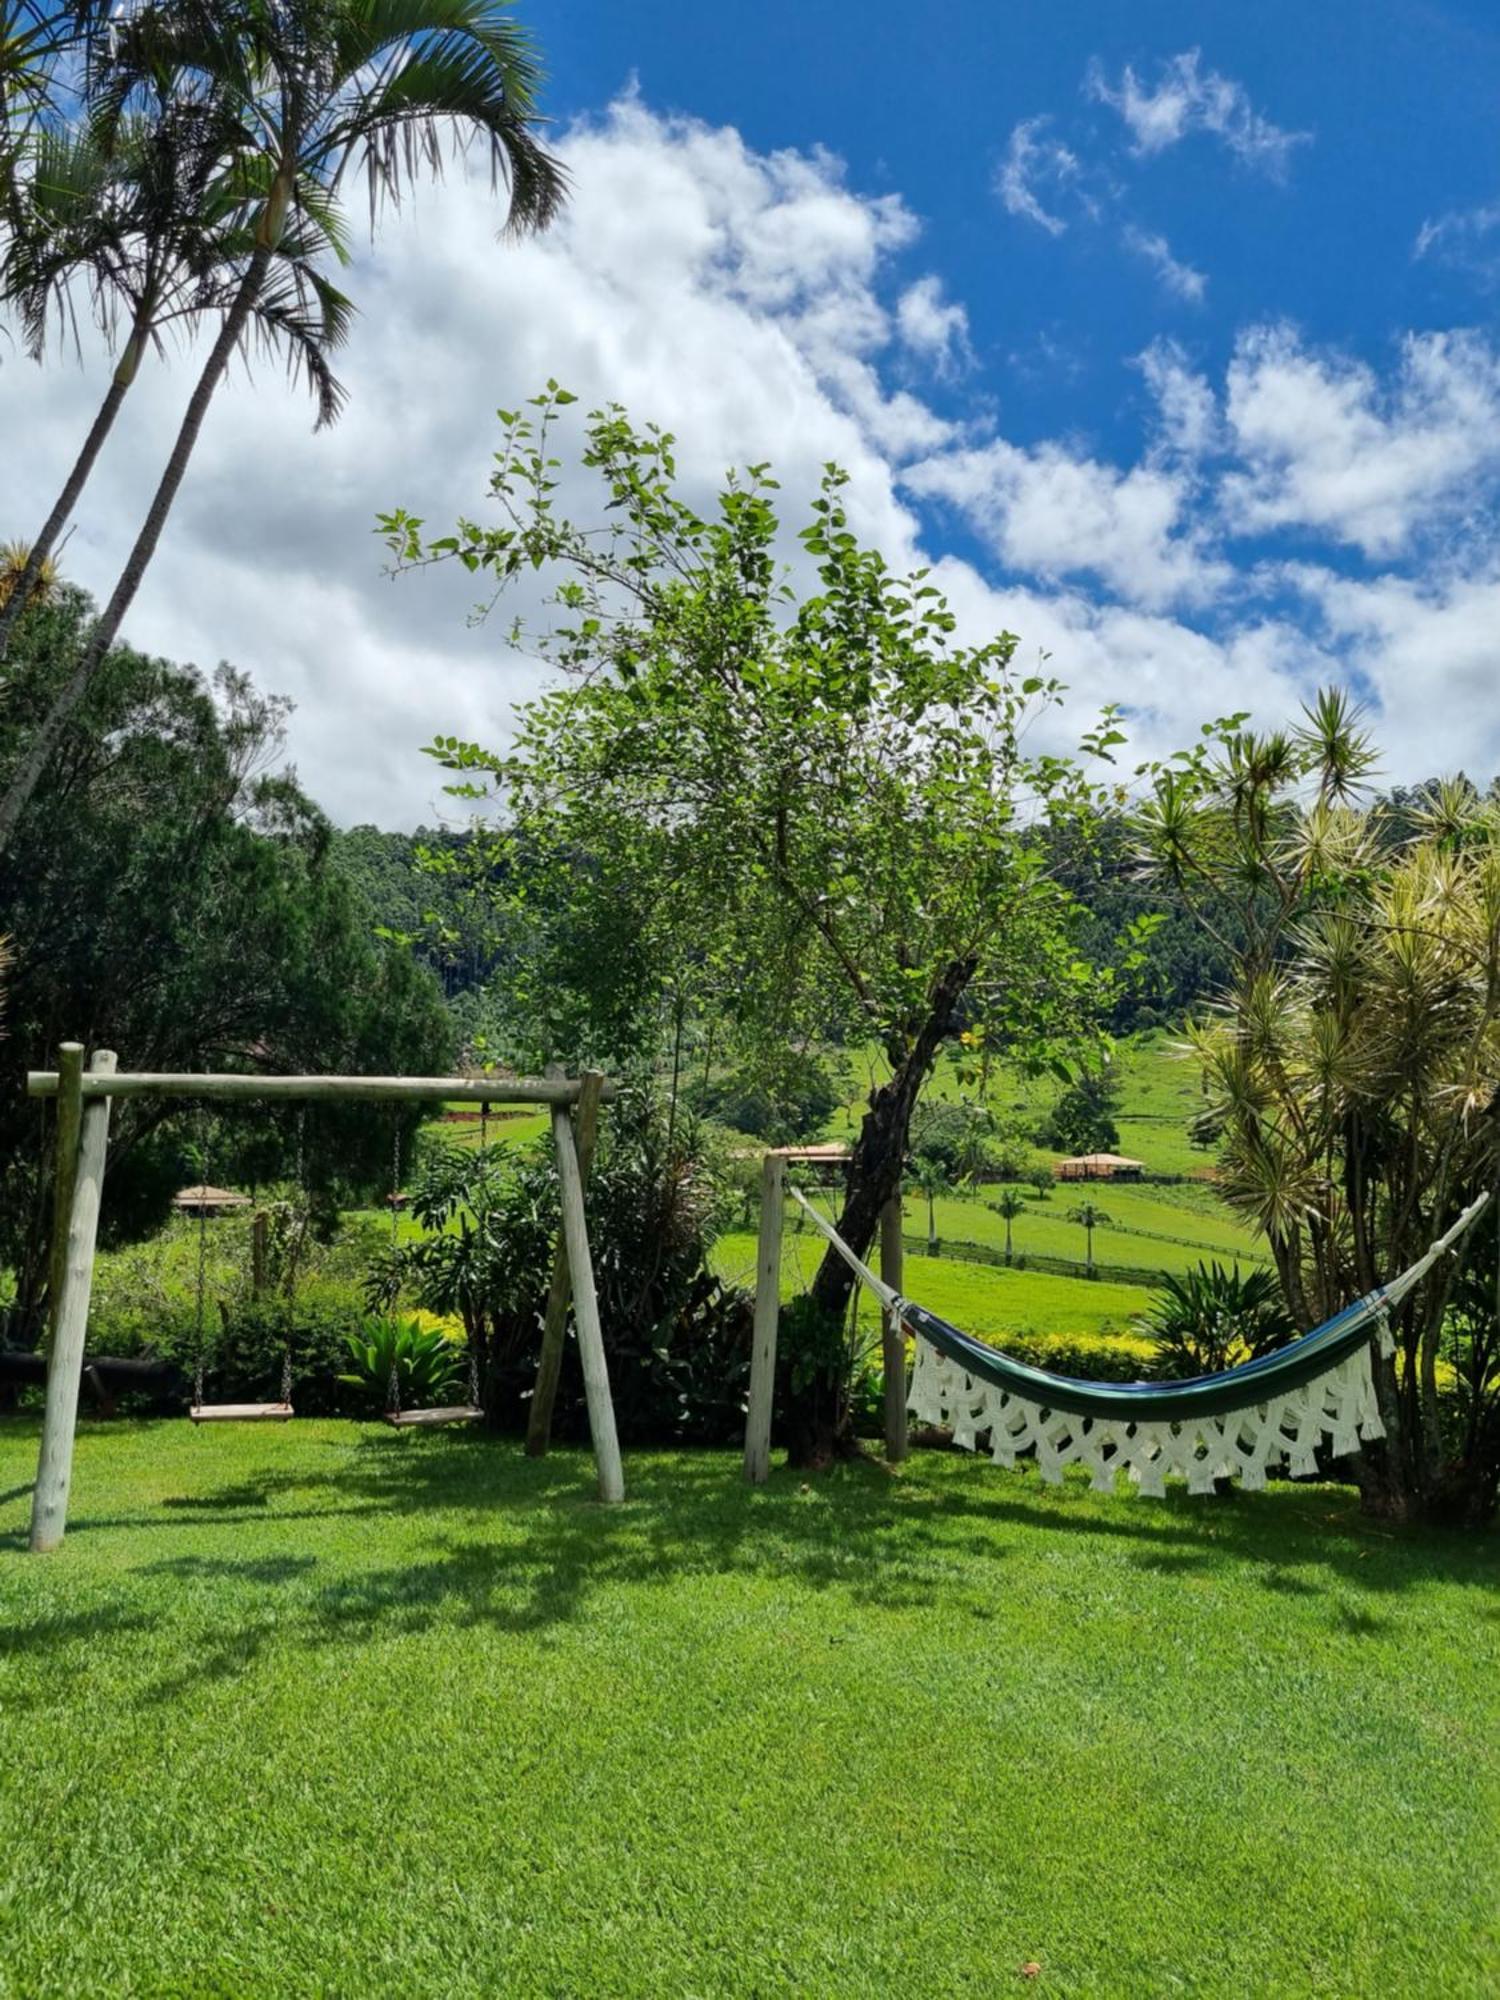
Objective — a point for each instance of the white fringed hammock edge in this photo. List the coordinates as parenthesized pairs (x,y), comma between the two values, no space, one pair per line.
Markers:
(1249,1441)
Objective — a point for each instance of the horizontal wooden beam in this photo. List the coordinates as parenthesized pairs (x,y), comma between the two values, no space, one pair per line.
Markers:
(321,1089)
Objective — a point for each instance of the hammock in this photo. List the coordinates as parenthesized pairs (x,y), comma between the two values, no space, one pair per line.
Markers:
(1240,1423)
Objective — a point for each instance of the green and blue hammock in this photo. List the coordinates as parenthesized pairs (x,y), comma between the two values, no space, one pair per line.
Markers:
(1241,1423)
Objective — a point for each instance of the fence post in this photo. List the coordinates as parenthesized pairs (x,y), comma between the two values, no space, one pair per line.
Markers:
(892,1334)
(78,1223)
(767,1314)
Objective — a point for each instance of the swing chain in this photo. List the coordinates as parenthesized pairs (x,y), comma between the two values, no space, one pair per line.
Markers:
(200,1310)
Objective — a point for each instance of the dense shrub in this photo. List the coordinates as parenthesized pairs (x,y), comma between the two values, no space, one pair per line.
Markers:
(1211,1318)
(677,1339)
(1082,1120)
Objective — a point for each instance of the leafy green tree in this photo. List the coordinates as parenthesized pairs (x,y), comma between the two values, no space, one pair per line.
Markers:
(811,810)
(1008,1204)
(178,901)
(1082,1120)
(314,90)
(1089,1216)
(1351,1065)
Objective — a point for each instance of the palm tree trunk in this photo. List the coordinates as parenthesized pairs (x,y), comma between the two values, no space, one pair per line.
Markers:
(34,763)
(46,540)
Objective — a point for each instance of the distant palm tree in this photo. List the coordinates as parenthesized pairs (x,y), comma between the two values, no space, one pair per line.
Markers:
(1091,1218)
(930,1178)
(315,89)
(1008,1205)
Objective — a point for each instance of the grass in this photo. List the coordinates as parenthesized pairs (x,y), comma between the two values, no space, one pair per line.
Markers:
(1142,1230)
(982,1298)
(324,1710)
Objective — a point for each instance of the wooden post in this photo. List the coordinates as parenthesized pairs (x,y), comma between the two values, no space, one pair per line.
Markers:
(69,1117)
(767,1315)
(586,1312)
(892,1337)
(555,1321)
(54,1473)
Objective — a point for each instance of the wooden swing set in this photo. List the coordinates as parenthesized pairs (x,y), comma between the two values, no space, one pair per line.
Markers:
(83,1111)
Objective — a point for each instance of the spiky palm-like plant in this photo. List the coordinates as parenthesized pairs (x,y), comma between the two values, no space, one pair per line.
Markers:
(1352,1069)
(1211,1318)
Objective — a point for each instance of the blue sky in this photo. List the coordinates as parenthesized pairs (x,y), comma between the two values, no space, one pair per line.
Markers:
(1165,333)
(1399,104)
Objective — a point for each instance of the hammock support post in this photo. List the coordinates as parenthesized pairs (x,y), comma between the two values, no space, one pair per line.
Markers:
(767,1313)
(892,1333)
(84,1097)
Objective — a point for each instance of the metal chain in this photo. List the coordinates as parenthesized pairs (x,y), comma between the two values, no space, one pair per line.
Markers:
(295,1243)
(202,1258)
(393,1389)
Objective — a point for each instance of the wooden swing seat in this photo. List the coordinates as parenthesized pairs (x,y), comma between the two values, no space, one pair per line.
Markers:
(456,1413)
(240,1413)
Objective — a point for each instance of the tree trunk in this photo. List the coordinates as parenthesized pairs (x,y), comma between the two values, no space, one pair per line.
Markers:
(77,479)
(817,1416)
(34,763)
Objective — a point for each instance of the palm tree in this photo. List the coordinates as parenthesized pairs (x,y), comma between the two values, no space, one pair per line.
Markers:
(317,89)
(32,40)
(930,1178)
(149,222)
(1008,1205)
(1091,1218)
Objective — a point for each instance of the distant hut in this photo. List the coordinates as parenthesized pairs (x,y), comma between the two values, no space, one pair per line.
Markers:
(205,1200)
(1100,1167)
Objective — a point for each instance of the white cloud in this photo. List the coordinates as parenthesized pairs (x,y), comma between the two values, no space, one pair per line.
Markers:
(1188,99)
(1051,513)
(1181,280)
(1324,445)
(1465,239)
(1187,411)
(732,296)
(1425,649)
(1036,165)
(757,306)
(934,327)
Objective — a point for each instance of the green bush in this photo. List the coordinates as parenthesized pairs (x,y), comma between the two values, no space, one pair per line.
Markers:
(1210,1318)
(677,1339)
(422,1364)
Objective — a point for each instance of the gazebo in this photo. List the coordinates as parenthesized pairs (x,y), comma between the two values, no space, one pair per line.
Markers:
(1100,1167)
(205,1200)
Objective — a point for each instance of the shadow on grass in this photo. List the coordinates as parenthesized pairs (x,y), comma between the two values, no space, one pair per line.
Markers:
(892,1542)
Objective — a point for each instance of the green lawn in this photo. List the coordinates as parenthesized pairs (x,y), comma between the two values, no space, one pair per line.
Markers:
(1142,1230)
(324,1710)
(985,1299)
